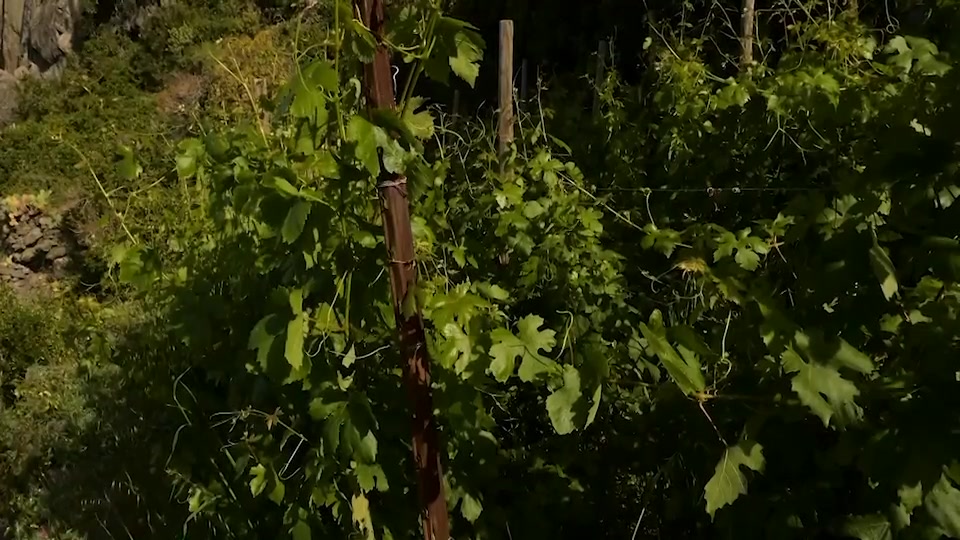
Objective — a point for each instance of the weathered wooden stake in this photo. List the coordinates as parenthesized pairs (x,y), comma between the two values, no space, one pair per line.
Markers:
(505,127)
(398,236)
(746,38)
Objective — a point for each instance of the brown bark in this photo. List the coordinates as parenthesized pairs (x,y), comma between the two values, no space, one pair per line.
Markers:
(398,236)
(747,31)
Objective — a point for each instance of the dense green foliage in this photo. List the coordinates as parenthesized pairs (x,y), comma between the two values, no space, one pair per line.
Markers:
(725,305)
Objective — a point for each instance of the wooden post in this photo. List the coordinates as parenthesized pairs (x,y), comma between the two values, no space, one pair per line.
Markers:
(505,127)
(746,38)
(601,66)
(398,236)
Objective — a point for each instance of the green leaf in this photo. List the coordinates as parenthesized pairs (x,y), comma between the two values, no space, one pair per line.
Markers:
(943,505)
(911,497)
(458,349)
(300,531)
(128,167)
(884,270)
(470,508)
(262,337)
(308,86)
(350,357)
(295,220)
(560,404)
(420,124)
(459,47)
(466,62)
(279,490)
(294,348)
(365,135)
(869,527)
(823,390)
(748,260)
(728,481)
(186,166)
(685,370)
(259,481)
(508,347)
(371,477)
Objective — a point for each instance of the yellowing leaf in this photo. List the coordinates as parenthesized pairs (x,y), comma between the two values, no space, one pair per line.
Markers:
(360,508)
(728,481)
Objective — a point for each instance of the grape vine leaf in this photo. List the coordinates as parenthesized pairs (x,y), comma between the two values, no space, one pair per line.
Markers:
(128,167)
(663,240)
(728,481)
(470,508)
(259,481)
(263,338)
(748,248)
(685,369)
(561,403)
(459,47)
(295,220)
(822,389)
(508,347)
(884,270)
(911,497)
(420,123)
(370,477)
(307,87)
(366,137)
(300,531)
(360,507)
(943,505)
(868,527)
(457,349)
(466,62)
(294,347)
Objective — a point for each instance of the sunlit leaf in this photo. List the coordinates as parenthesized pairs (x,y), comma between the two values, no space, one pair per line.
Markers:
(728,482)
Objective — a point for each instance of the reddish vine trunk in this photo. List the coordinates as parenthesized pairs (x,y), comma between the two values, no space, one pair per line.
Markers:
(398,236)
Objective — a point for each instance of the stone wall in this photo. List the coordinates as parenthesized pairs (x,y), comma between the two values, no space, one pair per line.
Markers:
(37,246)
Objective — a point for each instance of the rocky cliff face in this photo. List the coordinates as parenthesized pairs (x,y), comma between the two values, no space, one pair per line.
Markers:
(35,38)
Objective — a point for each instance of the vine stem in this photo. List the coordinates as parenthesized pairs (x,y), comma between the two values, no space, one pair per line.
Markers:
(96,179)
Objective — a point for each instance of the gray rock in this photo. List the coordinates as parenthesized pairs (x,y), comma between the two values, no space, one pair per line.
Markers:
(8,98)
(57,252)
(25,256)
(33,235)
